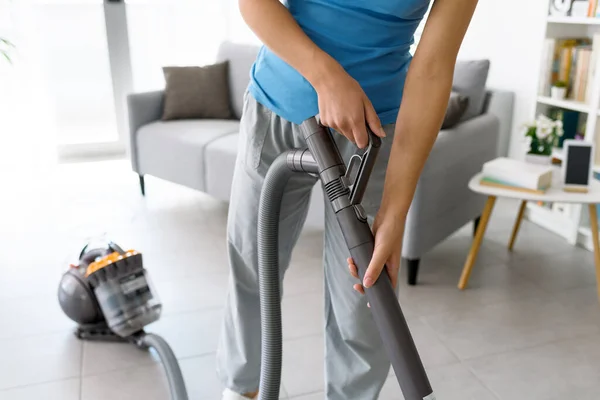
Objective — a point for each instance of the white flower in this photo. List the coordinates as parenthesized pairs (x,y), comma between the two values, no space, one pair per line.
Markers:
(542,119)
(543,131)
(559,131)
(559,124)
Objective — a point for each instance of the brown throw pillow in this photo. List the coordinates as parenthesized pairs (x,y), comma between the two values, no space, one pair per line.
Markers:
(457,106)
(197,92)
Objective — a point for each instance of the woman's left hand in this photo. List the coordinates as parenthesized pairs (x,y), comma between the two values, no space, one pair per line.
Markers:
(388,229)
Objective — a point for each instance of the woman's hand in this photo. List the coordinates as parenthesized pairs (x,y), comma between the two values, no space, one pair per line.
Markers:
(388,229)
(344,106)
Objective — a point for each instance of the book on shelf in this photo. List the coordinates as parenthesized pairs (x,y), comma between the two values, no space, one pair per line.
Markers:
(593,65)
(597,145)
(547,67)
(573,61)
(518,175)
(592,8)
(573,122)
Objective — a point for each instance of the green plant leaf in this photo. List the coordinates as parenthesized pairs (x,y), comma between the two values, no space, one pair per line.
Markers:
(7,42)
(6,56)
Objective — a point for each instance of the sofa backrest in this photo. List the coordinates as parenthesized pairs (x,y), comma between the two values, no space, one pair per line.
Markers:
(240,57)
(501,104)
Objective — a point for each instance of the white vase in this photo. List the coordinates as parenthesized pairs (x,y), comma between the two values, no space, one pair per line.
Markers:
(558,93)
(538,159)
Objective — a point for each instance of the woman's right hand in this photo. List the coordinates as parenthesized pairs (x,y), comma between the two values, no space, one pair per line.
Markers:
(345,107)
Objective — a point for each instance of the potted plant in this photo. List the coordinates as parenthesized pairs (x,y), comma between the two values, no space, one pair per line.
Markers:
(542,136)
(559,90)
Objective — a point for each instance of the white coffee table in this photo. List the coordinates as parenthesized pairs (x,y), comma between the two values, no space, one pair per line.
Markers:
(554,194)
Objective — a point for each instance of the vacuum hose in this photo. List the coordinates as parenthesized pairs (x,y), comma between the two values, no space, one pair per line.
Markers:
(268,277)
(169,362)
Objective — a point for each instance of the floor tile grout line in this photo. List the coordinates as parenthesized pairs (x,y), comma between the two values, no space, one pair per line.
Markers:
(531,347)
(189,357)
(69,378)
(474,375)
(39,334)
(543,292)
(435,333)
(81,358)
(517,349)
(304,394)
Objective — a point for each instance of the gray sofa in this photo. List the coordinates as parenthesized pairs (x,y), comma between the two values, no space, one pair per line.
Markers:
(201,154)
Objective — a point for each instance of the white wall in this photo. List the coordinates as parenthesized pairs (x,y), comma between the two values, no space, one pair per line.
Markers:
(238,30)
(510,33)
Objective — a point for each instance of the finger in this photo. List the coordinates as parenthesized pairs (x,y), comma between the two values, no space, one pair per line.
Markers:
(392,271)
(358,287)
(353,271)
(359,130)
(380,256)
(393,268)
(373,119)
(346,130)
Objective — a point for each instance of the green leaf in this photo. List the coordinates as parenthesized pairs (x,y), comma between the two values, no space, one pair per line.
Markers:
(6,56)
(7,42)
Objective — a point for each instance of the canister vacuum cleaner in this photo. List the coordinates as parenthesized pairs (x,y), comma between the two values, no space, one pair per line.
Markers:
(108,293)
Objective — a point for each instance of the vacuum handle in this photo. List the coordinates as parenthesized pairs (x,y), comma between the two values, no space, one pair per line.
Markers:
(367,163)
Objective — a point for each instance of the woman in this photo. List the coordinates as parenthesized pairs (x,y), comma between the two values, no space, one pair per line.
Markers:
(349,62)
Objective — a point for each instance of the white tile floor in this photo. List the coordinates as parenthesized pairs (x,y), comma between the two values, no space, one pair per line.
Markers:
(528,327)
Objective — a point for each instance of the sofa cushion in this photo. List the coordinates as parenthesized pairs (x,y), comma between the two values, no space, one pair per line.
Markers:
(470,78)
(240,57)
(197,92)
(175,150)
(457,106)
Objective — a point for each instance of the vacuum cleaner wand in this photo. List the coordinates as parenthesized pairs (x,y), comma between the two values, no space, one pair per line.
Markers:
(386,311)
(344,188)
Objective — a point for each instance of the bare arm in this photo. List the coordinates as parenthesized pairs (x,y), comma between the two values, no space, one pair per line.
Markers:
(275,26)
(425,99)
(424,103)
(342,103)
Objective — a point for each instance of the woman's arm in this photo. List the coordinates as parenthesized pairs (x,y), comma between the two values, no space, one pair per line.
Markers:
(343,105)
(426,93)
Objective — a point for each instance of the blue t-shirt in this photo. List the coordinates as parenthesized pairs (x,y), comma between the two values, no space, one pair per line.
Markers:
(371,39)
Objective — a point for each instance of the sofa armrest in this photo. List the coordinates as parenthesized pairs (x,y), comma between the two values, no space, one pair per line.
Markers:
(143,108)
(443,203)
(501,104)
(475,139)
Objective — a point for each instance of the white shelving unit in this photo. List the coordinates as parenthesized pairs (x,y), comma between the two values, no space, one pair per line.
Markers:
(566,221)
(573,20)
(566,104)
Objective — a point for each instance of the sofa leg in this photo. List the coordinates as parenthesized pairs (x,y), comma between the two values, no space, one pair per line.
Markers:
(142,185)
(476,225)
(413,271)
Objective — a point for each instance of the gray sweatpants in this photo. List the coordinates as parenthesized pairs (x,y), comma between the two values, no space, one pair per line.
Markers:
(356,366)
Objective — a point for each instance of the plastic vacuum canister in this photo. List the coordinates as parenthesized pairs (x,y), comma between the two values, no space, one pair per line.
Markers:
(124,292)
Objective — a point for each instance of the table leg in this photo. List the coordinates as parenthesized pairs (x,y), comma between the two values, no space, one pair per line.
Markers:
(515,230)
(485,217)
(594,226)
